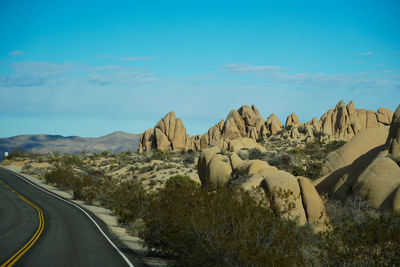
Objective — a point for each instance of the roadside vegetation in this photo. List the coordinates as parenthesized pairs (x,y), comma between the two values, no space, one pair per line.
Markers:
(179,220)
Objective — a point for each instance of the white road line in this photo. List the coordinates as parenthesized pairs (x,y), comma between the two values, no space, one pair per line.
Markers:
(76,206)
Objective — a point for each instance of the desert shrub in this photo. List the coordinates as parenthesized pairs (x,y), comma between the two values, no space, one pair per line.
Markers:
(282,161)
(128,202)
(70,160)
(63,176)
(104,154)
(318,134)
(136,227)
(302,129)
(298,171)
(224,228)
(366,241)
(180,181)
(161,155)
(17,154)
(189,158)
(314,170)
(332,146)
(256,153)
(147,168)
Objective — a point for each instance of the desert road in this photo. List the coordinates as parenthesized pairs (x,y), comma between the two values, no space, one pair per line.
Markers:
(39,229)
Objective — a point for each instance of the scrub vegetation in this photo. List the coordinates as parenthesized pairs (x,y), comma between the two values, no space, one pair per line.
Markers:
(179,220)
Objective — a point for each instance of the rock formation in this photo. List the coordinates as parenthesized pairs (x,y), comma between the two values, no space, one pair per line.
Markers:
(244,122)
(394,135)
(344,122)
(217,169)
(341,123)
(272,125)
(168,134)
(366,166)
(292,120)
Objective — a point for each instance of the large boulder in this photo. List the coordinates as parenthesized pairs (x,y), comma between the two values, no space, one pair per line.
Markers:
(162,142)
(393,140)
(344,122)
(378,182)
(251,167)
(292,198)
(362,142)
(313,206)
(344,165)
(273,124)
(244,122)
(168,134)
(219,172)
(234,126)
(292,120)
(203,165)
(251,117)
(244,143)
(276,185)
(384,116)
(146,141)
(374,175)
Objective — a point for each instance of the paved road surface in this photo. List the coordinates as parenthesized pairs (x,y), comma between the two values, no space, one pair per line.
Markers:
(69,237)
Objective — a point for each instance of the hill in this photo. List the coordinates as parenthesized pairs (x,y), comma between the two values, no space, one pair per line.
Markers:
(116,142)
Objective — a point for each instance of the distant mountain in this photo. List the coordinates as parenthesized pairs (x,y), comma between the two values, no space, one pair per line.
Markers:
(116,143)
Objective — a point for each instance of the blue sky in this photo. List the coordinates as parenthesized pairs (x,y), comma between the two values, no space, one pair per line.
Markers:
(89,68)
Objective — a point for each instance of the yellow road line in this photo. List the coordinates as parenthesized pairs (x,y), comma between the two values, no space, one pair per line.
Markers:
(11,261)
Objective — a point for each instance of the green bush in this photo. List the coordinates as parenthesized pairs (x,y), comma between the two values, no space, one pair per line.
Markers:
(17,154)
(332,146)
(256,153)
(298,171)
(146,169)
(128,201)
(189,158)
(161,155)
(224,228)
(180,181)
(62,176)
(366,241)
(314,170)
(71,160)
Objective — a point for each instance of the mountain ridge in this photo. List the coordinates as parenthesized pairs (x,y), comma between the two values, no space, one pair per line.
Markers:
(115,142)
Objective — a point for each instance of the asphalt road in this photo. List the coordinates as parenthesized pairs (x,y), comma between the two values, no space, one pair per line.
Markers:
(69,237)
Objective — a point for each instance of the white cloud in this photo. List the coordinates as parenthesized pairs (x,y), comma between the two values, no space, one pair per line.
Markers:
(367,53)
(135,58)
(242,68)
(17,53)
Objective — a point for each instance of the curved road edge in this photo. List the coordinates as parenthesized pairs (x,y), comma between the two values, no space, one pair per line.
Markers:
(103,220)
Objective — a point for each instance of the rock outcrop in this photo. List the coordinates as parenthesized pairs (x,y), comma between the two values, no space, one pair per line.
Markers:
(273,124)
(340,123)
(244,122)
(366,166)
(168,134)
(292,120)
(394,135)
(344,122)
(217,169)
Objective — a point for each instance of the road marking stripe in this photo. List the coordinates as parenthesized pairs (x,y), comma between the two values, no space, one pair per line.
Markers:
(78,207)
(11,261)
